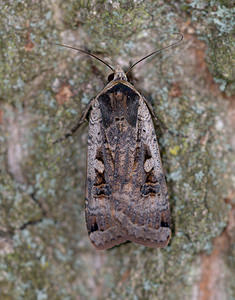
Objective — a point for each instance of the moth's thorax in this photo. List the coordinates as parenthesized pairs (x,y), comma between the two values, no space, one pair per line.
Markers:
(119,74)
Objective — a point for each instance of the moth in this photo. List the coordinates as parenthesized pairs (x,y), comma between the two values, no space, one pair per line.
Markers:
(126,192)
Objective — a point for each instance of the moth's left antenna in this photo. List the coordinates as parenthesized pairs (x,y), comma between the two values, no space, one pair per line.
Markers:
(85,52)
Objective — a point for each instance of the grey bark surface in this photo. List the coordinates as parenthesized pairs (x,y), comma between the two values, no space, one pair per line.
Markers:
(45,252)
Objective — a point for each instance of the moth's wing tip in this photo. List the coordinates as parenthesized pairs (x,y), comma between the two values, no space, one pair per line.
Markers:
(158,239)
(164,243)
(103,240)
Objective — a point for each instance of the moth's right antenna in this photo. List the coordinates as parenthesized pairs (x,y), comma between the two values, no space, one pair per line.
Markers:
(157,51)
(85,52)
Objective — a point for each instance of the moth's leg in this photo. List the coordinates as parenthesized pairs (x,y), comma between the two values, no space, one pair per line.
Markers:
(159,123)
(82,119)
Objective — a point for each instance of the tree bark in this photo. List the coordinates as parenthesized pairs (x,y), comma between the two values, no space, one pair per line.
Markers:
(45,252)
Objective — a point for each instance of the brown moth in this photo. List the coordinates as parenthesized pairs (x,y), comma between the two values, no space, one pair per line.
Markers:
(126,192)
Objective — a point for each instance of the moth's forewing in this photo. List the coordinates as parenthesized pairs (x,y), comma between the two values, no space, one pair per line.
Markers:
(126,193)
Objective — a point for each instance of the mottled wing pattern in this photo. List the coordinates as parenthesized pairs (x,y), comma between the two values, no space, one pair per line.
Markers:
(102,228)
(126,194)
(147,215)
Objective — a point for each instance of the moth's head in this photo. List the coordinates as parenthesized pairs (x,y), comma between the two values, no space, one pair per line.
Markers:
(118,74)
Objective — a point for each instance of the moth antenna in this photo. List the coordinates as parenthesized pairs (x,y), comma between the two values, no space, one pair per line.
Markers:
(157,51)
(85,52)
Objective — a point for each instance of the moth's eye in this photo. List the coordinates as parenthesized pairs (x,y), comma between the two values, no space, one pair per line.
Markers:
(110,77)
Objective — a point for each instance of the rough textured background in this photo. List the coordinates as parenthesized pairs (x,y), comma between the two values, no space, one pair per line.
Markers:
(45,252)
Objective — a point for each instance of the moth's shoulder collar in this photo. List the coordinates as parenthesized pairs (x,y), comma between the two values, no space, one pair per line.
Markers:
(114,83)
